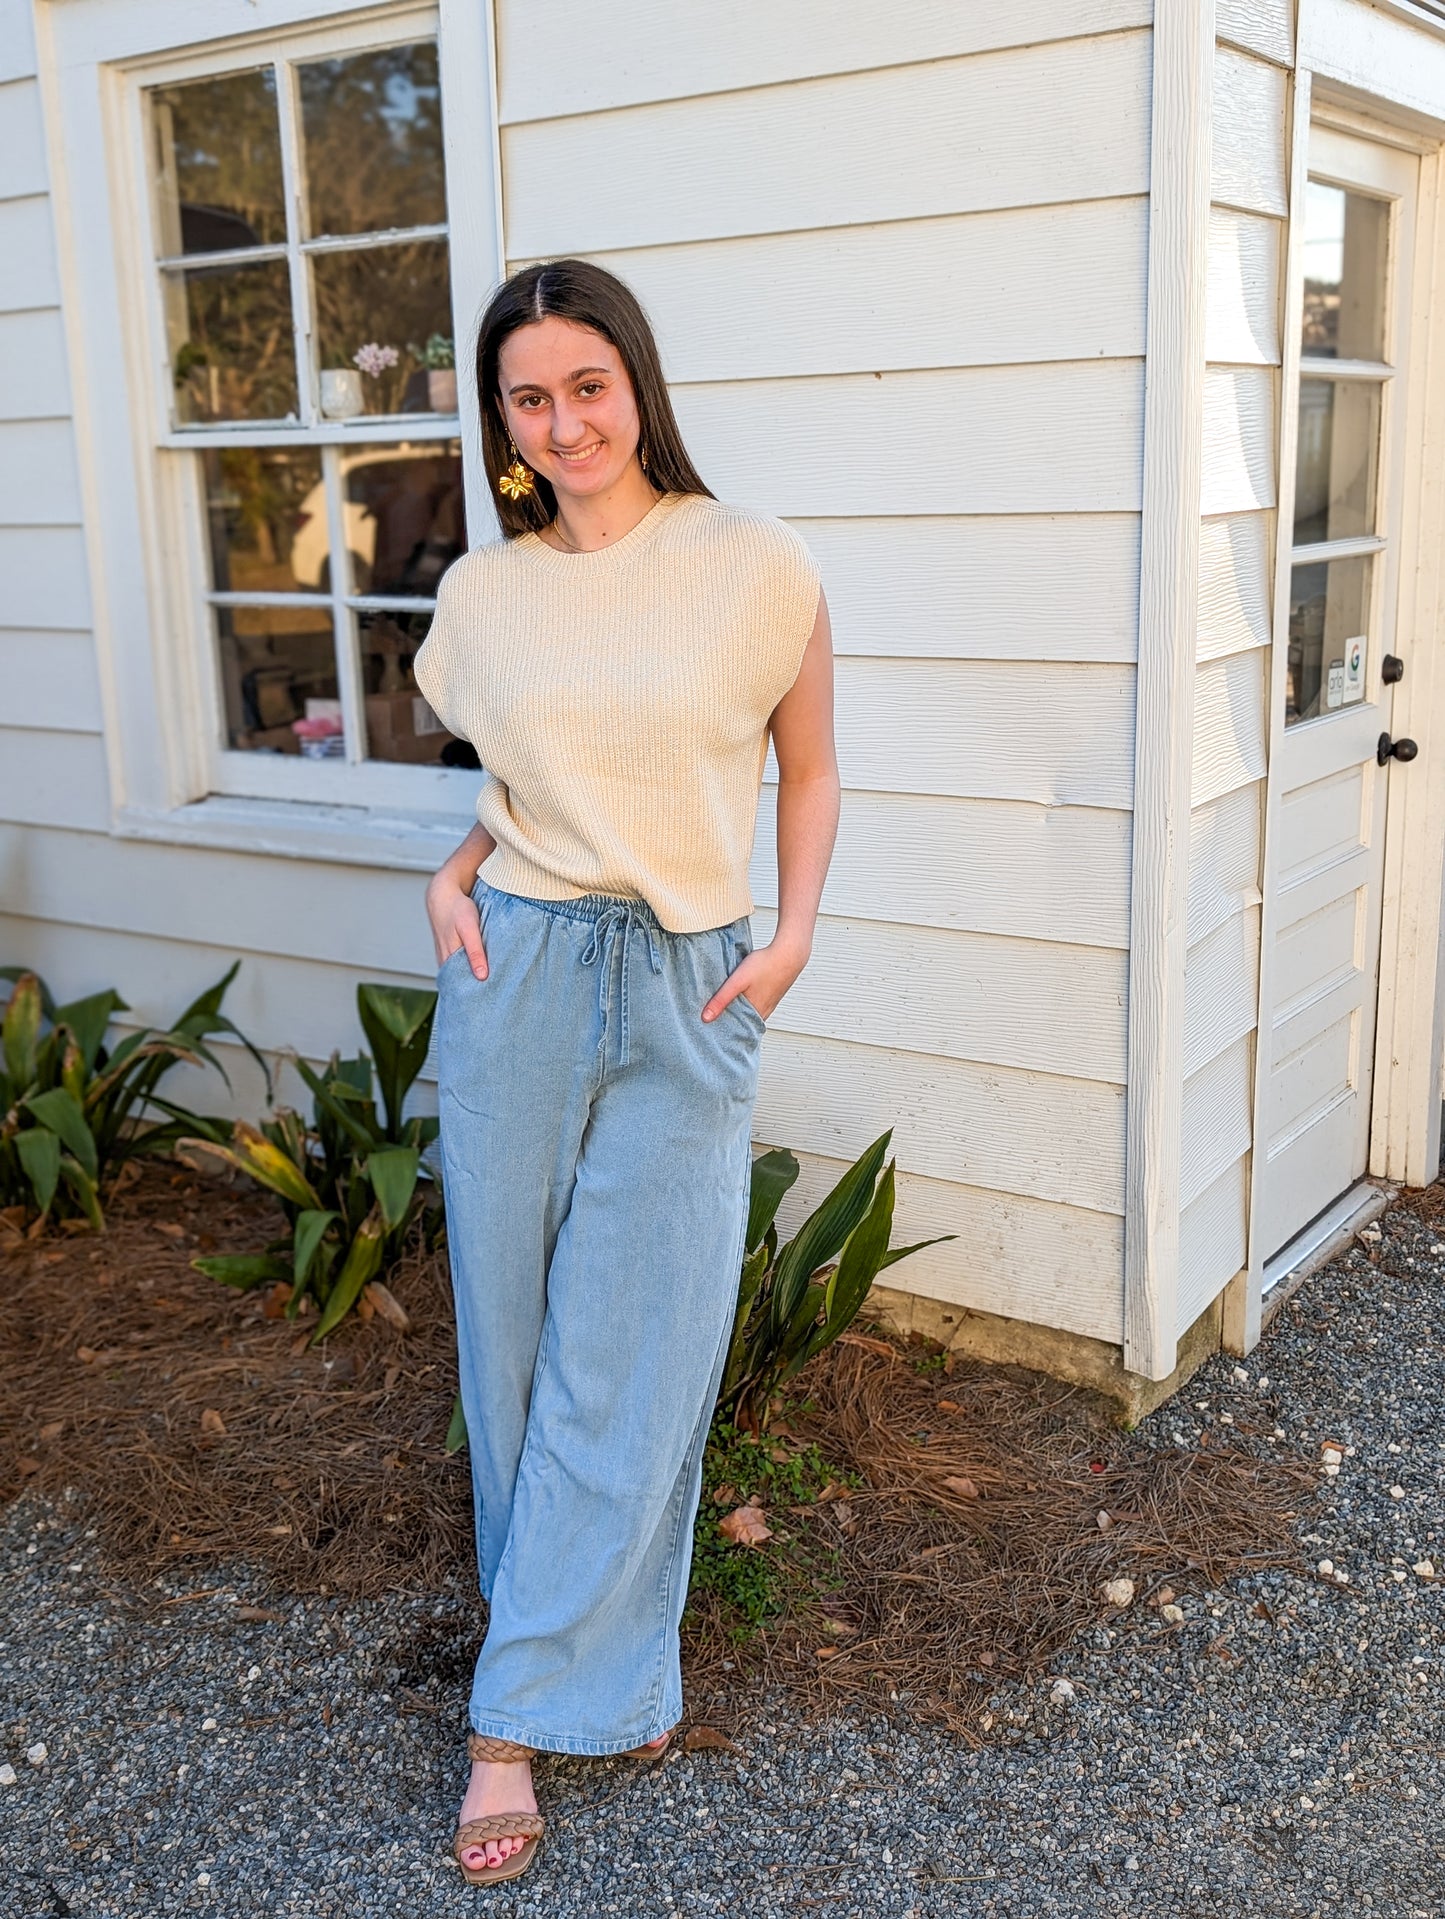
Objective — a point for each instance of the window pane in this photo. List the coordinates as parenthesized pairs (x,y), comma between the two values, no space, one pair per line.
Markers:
(404,516)
(278,670)
(1346,235)
(399,723)
(218,164)
(373,141)
(383,304)
(266,511)
(1339,436)
(1329,617)
(231,344)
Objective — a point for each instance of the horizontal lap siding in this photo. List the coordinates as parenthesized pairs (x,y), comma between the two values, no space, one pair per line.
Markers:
(1231,718)
(934,371)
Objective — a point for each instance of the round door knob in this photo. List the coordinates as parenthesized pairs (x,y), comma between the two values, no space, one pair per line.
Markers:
(1389,749)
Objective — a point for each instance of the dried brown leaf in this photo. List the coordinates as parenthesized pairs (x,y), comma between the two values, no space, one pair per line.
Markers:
(745,1526)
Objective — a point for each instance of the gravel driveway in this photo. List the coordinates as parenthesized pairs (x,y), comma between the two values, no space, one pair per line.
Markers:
(1278,1751)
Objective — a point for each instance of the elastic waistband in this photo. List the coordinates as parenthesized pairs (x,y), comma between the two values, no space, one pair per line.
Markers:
(591,906)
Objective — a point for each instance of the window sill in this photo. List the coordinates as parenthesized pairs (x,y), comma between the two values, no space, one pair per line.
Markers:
(302,830)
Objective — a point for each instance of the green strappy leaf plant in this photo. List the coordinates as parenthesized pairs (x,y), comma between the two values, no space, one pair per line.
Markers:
(71,1111)
(351,1181)
(795,1299)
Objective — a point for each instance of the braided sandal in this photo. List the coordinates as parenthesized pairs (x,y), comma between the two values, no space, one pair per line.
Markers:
(497,1825)
(649,1755)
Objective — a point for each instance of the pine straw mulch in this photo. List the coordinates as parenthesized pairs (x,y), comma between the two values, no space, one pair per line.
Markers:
(196,1428)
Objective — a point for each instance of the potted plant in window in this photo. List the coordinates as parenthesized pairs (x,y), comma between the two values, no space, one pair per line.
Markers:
(438,356)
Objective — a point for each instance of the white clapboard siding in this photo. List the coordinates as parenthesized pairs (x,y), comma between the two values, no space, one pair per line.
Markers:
(984,587)
(1248,169)
(1229,734)
(1030,1259)
(1008,1002)
(1015,1132)
(988,866)
(1234,572)
(1242,309)
(1265,27)
(1216,1117)
(51,779)
(1033,439)
(668,49)
(1221,989)
(1239,440)
(1058,734)
(22,140)
(1030,127)
(45,577)
(1224,856)
(1030,283)
(17,39)
(28,276)
(39,483)
(49,680)
(34,383)
(1213,1241)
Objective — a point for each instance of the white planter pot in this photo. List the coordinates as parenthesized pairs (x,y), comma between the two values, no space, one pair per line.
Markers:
(341,392)
(441,389)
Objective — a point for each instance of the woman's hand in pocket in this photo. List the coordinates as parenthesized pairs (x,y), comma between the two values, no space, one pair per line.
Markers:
(764,976)
(455,922)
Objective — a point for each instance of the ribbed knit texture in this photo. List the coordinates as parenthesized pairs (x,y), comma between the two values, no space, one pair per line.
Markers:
(619,700)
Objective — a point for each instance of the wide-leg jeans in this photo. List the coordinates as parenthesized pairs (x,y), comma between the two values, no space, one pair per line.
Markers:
(595,1146)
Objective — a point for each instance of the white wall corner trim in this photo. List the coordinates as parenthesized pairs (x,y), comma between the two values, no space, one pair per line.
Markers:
(1179,165)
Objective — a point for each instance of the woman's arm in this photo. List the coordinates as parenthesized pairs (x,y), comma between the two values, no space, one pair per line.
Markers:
(450,907)
(808,798)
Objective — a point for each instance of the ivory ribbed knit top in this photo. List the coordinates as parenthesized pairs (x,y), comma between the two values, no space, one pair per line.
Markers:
(619,699)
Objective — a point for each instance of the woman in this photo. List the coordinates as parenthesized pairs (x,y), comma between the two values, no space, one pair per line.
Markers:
(618,660)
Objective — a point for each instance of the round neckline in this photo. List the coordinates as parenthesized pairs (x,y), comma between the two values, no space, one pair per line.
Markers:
(646,530)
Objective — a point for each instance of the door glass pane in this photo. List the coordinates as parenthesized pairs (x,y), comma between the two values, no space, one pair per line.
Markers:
(266,514)
(1339,437)
(218,164)
(399,723)
(1329,619)
(376,310)
(278,680)
(404,516)
(1346,235)
(232,350)
(372,127)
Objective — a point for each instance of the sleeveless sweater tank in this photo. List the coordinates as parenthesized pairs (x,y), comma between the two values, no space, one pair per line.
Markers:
(619,699)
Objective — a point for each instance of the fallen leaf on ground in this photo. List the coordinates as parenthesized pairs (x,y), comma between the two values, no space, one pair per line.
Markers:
(212,1422)
(365,1310)
(393,1374)
(707,1739)
(825,1652)
(745,1526)
(1119,1592)
(170,1229)
(833,1490)
(961,1484)
(53,1430)
(104,1356)
(275,1302)
(1164,1596)
(27,1464)
(388,1305)
(879,1346)
(255,1614)
(949,1406)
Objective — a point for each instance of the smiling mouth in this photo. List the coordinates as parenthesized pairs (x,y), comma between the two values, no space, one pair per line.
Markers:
(577,458)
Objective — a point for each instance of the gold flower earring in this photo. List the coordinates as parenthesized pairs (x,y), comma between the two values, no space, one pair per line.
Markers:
(518,481)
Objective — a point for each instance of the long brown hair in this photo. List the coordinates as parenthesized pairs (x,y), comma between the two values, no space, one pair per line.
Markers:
(592,297)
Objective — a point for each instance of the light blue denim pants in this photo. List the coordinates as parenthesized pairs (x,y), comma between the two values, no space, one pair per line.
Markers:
(596,1146)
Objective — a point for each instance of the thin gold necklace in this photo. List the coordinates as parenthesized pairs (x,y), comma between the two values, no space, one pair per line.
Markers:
(573,548)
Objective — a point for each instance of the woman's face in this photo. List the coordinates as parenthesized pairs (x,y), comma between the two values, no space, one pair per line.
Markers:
(569,405)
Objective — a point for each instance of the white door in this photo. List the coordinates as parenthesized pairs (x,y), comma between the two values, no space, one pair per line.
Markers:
(1343,658)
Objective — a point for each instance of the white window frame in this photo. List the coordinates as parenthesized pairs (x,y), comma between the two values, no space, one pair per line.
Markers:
(170,775)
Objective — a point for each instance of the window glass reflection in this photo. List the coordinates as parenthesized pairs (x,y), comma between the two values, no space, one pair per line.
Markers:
(399,723)
(372,130)
(232,349)
(1345,261)
(218,164)
(404,515)
(279,688)
(1335,460)
(377,309)
(1329,619)
(266,515)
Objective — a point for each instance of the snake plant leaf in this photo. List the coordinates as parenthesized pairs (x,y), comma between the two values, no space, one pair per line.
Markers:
(40,1156)
(363,1262)
(456,1428)
(327,1100)
(772,1174)
(252,1153)
(824,1231)
(14,973)
(754,1266)
(244,1271)
(87,1020)
(204,1016)
(310,1231)
(83,1187)
(20,1030)
(902,1252)
(393,1175)
(857,1268)
(397,1021)
(61,1112)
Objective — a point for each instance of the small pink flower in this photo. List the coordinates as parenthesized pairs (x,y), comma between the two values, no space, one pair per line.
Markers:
(375,359)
